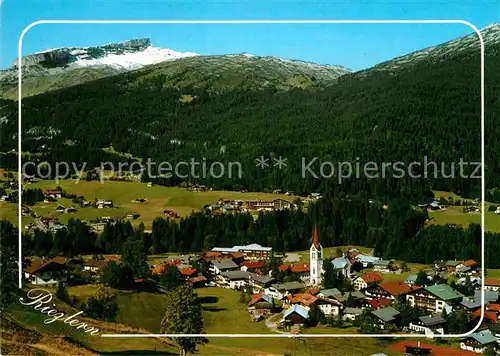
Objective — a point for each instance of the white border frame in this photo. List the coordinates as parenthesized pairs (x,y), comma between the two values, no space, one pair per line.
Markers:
(463,22)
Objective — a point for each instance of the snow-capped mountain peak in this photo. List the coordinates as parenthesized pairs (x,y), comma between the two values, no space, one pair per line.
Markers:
(126,55)
(131,60)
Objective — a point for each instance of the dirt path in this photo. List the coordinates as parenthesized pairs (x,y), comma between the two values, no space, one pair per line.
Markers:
(271,323)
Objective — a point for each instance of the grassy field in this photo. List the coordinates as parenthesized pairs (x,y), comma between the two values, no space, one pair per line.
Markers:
(158,198)
(224,314)
(493,273)
(455,215)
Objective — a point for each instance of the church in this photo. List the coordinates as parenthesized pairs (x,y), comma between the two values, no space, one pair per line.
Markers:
(316,259)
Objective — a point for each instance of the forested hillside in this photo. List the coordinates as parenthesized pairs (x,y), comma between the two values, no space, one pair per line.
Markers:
(427,109)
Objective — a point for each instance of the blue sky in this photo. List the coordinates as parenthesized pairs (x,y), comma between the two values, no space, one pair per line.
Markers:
(356,46)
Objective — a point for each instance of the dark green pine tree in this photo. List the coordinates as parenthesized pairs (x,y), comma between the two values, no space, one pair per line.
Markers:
(183,315)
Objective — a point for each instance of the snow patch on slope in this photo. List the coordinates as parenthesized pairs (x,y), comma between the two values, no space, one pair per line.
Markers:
(133,60)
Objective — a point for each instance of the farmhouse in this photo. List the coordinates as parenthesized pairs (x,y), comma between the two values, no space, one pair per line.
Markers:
(47,273)
(297,314)
(366,280)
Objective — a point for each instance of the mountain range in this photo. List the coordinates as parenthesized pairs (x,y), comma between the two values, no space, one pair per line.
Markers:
(241,106)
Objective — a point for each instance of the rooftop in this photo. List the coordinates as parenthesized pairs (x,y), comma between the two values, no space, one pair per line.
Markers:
(235,275)
(371,277)
(444,292)
(484,337)
(386,314)
(297,308)
(430,320)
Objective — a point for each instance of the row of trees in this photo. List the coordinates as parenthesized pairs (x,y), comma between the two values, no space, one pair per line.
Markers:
(395,231)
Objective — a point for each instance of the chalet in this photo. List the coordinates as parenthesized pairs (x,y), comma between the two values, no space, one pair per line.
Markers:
(225,265)
(351,313)
(249,251)
(281,290)
(429,325)
(342,265)
(492,284)
(435,298)
(47,273)
(297,314)
(478,341)
(260,282)
(60,209)
(329,307)
(234,279)
(70,210)
(384,266)
(366,280)
(253,266)
(389,290)
(387,315)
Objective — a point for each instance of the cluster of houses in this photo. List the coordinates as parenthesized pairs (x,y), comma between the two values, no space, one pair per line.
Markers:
(245,268)
(229,206)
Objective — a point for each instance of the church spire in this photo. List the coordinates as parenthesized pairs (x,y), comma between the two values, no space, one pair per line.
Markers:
(316,242)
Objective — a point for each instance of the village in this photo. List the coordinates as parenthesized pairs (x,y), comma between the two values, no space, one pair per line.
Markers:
(291,297)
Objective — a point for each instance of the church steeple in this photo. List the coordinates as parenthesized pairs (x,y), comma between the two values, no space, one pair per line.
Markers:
(316,242)
(316,258)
